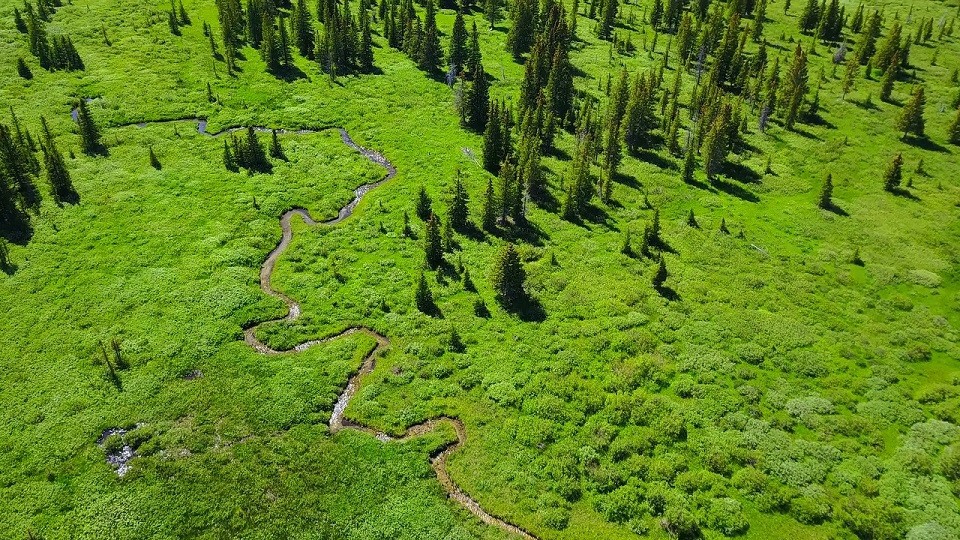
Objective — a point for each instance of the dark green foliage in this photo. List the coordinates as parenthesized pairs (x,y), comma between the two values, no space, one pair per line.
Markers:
(794,87)
(692,220)
(953,131)
(488,216)
(23,70)
(422,297)
(229,160)
(889,77)
(301,29)
(456,343)
(182,15)
(520,38)
(480,309)
(249,153)
(723,226)
(894,174)
(626,248)
(173,23)
(430,54)
(154,161)
(424,208)
(458,206)
(276,151)
(911,116)
(491,9)
(468,282)
(826,194)
(493,147)
(508,278)
(608,19)
(433,243)
(476,102)
(661,275)
(457,59)
(61,186)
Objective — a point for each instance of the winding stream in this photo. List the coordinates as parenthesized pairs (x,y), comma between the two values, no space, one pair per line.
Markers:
(338,421)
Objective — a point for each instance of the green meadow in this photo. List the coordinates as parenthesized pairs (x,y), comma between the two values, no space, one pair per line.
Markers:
(778,391)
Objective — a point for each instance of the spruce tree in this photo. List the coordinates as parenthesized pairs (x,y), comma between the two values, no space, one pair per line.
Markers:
(826,194)
(795,87)
(433,243)
(889,77)
(488,215)
(457,58)
(626,248)
(302,29)
(422,296)
(689,164)
(521,34)
(61,186)
(89,134)
(270,44)
(953,132)
(449,244)
(492,140)
(365,54)
(608,19)
(182,14)
(508,278)
(430,54)
(911,116)
(478,99)
(424,204)
(894,174)
(458,206)
(491,9)
(661,275)
(692,220)
(254,158)
(276,151)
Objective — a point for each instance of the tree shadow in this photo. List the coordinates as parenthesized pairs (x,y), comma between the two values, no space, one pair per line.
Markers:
(926,143)
(528,232)
(628,181)
(806,134)
(290,73)
(656,159)
(736,190)
(741,173)
(596,215)
(529,309)
(667,293)
(906,194)
(833,208)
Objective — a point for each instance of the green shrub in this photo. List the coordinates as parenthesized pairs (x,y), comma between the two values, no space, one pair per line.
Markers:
(726,515)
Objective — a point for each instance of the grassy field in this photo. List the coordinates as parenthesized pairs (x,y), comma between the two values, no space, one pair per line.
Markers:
(783,382)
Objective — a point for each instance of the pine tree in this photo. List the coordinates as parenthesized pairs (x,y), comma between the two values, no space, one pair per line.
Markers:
(182,14)
(508,193)
(911,116)
(433,243)
(458,207)
(868,46)
(270,45)
(809,16)
(889,77)
(521,34)
(449,244)
(468,282)
(89,134)
(365,54)
(422,297)
(850,75)
(57,173)
(953,132)
(826,194)
(478,99)
(508,278)
(430,55)
(692,220)
(457,58)
(276,151)
(723,226)
(424,208)
(492,11)
(254,158)
(283,44)
(894,174)
(626,248)
(229,161)
(689,164)
(488,215)
(795,87)
(172,23)
(301,29)
(154,161)
(661,275)
(492,140)
(608,19)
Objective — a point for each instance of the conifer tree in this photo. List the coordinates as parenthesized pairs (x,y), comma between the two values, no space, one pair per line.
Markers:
(508,278)
(492,143)
(254,158)
(270,44)
(422,296)
(894,174)
(953,132)
(229,161)
(424,209)
(723,226)
(477,101)
(23,69)
(661,275)
(458,206)
(433,243)
(457,58)
(430,55)
(809,17)
(520,37)
(172,23)
(826,194)
(491,9)
(508,192)
(449,244)
(689,164)
(57,173)
(301,29)
(468,284)
(890,48)
(911,116)
(692,220)
(89,133)
(626,248)
(608,19)
(365,54)
(276,151)
(868,45)
(850,75)
(488,215)
(889,77)
(182,14)
(795,87)
(283,44)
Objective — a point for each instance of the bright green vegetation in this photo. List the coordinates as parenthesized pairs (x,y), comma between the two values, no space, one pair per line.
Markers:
(769,388)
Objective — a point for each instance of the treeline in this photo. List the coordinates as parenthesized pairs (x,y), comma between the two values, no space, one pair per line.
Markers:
(53,53)
(405,31)
(339,41)
(20,170)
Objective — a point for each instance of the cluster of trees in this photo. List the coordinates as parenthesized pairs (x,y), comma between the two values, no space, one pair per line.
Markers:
(53,53)
(342,44)
(247,152)
(177,17)
(19,170)
(419,38)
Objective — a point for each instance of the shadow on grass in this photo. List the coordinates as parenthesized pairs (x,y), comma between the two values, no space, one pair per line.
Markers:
(290,73)
(656,159)
(528,309)
(741,173)
(833,208)
(926,143)
(903,192)
(737,191)
(668,293)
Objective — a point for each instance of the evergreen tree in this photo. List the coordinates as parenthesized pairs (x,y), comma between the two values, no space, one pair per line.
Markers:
(521,34)
(868,46)
(254,158)
(661,275)
(795,87)
(270,44)
(492,143)
(723,226)
(890,48)
(608,19)
(430,54)
(809,17)
(424,209)
(229,161)
(154,161)
(433,243)
(953,132)
(889,77)
(492,11)
(508,193)
(422,297)
(172,23)
(468,282)
(689,164)
(508,278)
(692,220)
(276,151)
(457,58)
(626,248)
(283,44)
(301,29)
(23,70)
(488,215)
(57,173)
(911,116)
(894,174)
(826,194)
(458,207)
(365,54)
(477,100)
(182,14)
(850,75)
(449,244)
(89,133)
